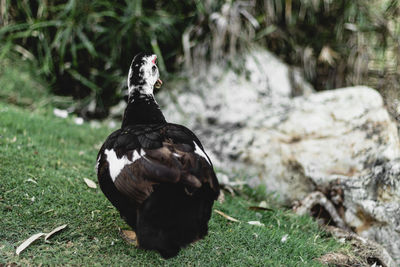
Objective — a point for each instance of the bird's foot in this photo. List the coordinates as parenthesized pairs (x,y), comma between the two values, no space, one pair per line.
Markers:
(129,236)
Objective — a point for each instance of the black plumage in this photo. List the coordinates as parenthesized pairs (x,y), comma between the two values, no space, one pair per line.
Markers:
(156,173)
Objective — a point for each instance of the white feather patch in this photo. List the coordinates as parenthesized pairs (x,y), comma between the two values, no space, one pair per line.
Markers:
(130,88)
(200,152)
(97,163)
(136,156)
(117,164)
(147,74)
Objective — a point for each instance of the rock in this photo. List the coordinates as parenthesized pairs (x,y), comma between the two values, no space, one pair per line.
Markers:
(269,123)
(242,99)
(372,204)
(366,252)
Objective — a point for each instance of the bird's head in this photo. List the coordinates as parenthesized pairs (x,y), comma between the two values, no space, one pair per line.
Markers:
(143,74)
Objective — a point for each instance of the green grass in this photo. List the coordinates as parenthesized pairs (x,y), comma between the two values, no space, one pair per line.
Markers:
(58,154)
(21,85)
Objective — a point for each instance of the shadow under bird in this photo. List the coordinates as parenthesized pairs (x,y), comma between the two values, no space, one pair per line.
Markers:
(156,173)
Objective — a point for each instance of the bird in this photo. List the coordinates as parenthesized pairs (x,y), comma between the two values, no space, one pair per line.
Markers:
(155,173)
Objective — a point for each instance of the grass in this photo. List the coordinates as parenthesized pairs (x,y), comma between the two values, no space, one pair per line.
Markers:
(17,85)
(43,161)
(21,85)
(58,154)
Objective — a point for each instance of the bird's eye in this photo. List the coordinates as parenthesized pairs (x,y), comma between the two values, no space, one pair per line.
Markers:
(154,68)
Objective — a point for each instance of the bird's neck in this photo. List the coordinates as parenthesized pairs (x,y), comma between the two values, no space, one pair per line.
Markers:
(142,109)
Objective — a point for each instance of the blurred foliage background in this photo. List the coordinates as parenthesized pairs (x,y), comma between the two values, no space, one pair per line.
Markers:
(84,48)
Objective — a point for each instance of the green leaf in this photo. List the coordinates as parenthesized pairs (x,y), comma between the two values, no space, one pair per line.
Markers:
(86,43)
(84,80)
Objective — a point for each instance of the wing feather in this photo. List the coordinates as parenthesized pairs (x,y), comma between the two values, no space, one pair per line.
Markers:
(170,155)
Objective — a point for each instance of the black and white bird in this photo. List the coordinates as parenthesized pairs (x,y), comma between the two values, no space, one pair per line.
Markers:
(156,173)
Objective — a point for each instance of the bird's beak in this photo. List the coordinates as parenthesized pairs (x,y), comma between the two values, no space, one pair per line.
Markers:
(158,84)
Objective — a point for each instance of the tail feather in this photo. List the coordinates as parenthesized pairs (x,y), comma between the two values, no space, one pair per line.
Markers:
(170,219)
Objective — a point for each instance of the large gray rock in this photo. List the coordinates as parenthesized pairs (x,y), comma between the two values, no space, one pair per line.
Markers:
(269,123)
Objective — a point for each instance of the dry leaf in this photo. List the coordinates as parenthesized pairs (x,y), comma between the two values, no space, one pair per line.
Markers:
(221,197)
(90,183)
(47,211)
(328,55)
(259,208)
(284,238)
(256,223)
(55,230)
(129,236)
(226,216)
(263,204)
(31,180)
(27,242)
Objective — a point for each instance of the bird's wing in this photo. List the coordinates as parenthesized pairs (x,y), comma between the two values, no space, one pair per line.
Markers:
(140,158)
(194,158)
